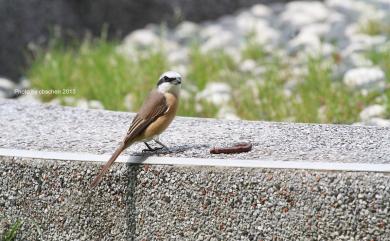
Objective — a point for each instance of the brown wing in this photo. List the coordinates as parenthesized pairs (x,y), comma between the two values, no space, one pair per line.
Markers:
(154,107)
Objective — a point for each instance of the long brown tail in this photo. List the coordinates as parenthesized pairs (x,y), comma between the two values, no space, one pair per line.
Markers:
(107,166)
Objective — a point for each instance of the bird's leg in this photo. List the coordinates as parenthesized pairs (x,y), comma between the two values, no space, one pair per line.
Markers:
(161,144)
(149,148)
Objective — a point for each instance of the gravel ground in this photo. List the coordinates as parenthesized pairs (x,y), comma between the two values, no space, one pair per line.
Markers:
(56,128)
(344,33)
(186,203)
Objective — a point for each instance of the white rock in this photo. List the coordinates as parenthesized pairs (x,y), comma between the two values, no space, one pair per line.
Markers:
(303,41)
(227,22)
(267,36)
(365,78)
(24,84)
(55,101)
(82,103)
(309,44)
(3,95)
(169,45)
(299,14)
(358,124)
(247,65)
(178,56)
(222,40)
(182,69)
(6,84)
(278,7)
(261,11)
(246,22)
(29,99)
(363,43)
(353,60)
(69,100)
(217,93)
(372,111)
(317,29)
(7,88)
(227,113)
(95,104)
(378,122)
(338,23)
(210,31)
(260,29)
(316,9)
(142,38)
(358,60)
(187,30)
(352,9)
(234,53)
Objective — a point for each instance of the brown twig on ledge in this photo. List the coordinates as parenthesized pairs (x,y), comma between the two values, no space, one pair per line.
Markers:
(238,148)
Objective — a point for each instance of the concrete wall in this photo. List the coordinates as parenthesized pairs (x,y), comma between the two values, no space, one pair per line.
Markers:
(156,202)
(188,202)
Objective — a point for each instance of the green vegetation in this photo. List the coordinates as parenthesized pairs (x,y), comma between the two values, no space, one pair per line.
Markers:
(374,27)
(11,233)
(97,71)
(382,59)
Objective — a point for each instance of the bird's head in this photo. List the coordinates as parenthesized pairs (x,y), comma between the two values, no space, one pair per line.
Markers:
(169,82)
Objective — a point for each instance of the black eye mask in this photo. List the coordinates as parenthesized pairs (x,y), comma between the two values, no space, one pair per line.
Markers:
(165,79)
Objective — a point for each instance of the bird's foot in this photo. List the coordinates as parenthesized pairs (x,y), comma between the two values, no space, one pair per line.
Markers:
(152,149)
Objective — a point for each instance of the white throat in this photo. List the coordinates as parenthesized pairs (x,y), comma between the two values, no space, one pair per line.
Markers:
(169,88)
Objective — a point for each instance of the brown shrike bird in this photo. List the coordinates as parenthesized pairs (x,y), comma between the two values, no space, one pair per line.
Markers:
(153,118)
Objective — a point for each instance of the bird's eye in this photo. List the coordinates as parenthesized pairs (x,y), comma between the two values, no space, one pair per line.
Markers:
(166,78)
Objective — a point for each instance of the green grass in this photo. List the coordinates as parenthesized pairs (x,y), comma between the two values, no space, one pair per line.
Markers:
(97,71)
(11,233)
(382,59)
(320,91)
(207,67)
(374,27)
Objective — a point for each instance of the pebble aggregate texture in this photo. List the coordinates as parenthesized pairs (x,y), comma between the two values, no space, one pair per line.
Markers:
(69,129)
(142,202)
(164,202)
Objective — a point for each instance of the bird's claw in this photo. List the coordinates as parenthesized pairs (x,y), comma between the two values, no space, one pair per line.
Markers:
(152,149)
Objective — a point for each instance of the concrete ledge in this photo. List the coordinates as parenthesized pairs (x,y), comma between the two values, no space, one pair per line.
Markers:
(64,129)
(49,155)
(156,160)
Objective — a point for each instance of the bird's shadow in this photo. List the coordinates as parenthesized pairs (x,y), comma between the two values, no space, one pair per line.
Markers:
(142,156)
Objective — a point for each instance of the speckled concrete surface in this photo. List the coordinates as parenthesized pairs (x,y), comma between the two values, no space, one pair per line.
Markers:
(55,128)
(143,202)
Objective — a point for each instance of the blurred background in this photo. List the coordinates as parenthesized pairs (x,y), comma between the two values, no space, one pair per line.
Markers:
(296,61)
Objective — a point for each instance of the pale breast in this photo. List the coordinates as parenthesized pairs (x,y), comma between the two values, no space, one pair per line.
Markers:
(158,126)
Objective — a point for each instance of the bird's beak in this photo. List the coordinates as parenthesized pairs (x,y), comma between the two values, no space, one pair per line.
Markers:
(177,81)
